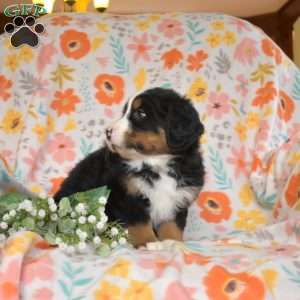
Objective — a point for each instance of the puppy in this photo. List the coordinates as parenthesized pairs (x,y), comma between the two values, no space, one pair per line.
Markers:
(152,164)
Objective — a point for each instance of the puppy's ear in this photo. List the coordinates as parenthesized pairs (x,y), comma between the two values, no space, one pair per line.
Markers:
(183,126)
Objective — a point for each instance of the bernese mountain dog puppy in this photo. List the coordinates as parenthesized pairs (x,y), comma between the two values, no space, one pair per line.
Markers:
(151,163)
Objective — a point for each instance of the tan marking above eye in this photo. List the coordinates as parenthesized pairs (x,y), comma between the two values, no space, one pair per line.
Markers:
(148,142)
(137,102)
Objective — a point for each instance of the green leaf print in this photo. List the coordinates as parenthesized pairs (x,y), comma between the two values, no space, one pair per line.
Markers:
(221,177)
(119,58)
(296,88)
(194,32)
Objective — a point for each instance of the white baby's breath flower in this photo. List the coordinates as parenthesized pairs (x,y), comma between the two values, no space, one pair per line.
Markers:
(114,244)
(80,207)
(81,246)
(104,219)
(97,240)
(12,213)
(27,202)
(6,217)
(126,231)
(51,201)
(54,217)
(101,210)
(42,195)
(78,231)
(21,206)
(33,212)
(73,214)
(100,225)
(11,231)
(41,223)
(58,240)
(82,220)
(102,200)
(53,207)
(122,241)
(114,231)
(42,213)
(92,219)
(3,225)
(83,236)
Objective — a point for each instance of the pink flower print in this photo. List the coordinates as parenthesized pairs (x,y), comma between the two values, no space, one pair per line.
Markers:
(38,268)
(240,25)
(218,105)
(43,293)
(238,159)
(9,281)
(103,61)
(170,28)
(32,160)
(242,85)
(141,48)
(237,262)
(158,265)
(176,290)
(61,148)
(246,51)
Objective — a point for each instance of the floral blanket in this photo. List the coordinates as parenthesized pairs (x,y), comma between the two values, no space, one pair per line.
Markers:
(242,234)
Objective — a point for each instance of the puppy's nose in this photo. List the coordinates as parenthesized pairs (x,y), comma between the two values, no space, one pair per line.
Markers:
(108,133)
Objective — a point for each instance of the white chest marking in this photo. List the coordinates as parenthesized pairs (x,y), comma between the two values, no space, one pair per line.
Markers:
(164,196)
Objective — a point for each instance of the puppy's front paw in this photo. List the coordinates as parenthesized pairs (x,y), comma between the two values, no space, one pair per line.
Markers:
(141,234)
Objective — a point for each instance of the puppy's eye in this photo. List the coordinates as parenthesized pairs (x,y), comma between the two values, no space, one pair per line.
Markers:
(139,115)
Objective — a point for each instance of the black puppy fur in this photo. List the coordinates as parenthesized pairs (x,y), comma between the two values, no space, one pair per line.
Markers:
(182,128)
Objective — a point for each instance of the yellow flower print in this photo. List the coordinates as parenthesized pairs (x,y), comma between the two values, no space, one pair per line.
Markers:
(143,25)
(140,79)
(229,38)
(107,291)
(218,25)
(35,189)
(198,90)
(40,131)
(270,277)
(120,268)
(246,195)
(12,62)
(214,39)
(249,220)
(295,158)
(252,120)
(12,121)
(154,18)
(50,124)
(26,54)
(70,124)
(19,244)
(102,27)
(138,290)
(241,130)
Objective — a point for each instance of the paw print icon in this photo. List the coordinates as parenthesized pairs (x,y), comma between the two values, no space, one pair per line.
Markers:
(24,31)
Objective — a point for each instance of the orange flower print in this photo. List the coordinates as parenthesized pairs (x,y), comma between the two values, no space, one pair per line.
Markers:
(270,49)
(75,44)
(5,85)
(196,61)
(110,89)
(215,206)
(65,102)
(286,107)
(223,285)
(264,94)
(61,20)
(56,183)
(171,58)
(9,281)
(292,193)
(195,258)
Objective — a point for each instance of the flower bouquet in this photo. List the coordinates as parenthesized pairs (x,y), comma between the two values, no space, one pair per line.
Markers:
(77,222)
